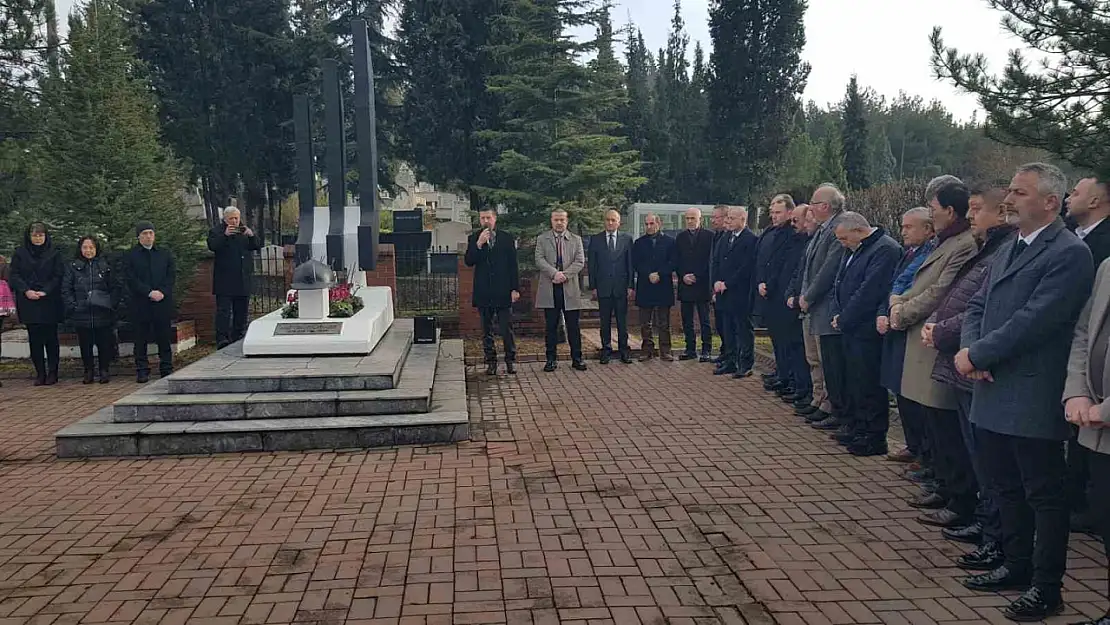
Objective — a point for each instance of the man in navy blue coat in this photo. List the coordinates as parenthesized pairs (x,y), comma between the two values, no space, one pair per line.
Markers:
(653,261)
(862,283)
(733,270)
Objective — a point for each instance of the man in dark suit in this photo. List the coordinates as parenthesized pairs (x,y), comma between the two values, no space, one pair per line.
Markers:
(1015,344)
(733,271)
(232,244)
(776,243)
(693,247)
(609,258)
(862,283)
(1088,207)
(151,273)
(822,262)
(492,254)
(717,222)
(653,260)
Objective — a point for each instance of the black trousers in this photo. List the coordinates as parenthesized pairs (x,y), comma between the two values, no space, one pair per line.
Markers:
(551,331)
(45,350)
(501,321)
(955,473)
(1078,473)
(869,411)
(231,318)
(702,308)
(794,355)
(609,307)
(104,339)
(986,512)
(739,338)
(719,325)
(161,332)
(1100,500)
(834,363)
(913,426)
(1028,475)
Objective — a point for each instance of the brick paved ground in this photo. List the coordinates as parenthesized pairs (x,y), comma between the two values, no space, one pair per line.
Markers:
(624,495)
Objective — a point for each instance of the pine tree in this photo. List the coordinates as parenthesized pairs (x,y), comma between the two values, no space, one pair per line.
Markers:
(854,138)
(443,49)
(23,62)
(554,148)
(881,161)
(102,166)
(756,73)
(1061,109)
(831,167)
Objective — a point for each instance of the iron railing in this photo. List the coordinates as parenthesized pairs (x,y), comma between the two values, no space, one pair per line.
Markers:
(269,284)
(427,282)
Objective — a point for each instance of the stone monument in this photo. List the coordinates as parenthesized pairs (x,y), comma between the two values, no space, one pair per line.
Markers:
(315,381)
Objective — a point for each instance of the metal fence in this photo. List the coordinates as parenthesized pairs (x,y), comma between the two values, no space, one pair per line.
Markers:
(427,282)
(269,284)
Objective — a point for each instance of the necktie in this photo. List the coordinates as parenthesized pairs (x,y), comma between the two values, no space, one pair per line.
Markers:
(612,242)
(1019,247)
(559,252)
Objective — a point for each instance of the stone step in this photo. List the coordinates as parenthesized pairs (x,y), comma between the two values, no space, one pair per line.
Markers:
(412,395)
(446,421)
(229,371)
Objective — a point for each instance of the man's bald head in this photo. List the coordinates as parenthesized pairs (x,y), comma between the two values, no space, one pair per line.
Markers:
(693,218)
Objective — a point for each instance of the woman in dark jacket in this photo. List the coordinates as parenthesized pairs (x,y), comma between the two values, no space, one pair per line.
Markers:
(36,278)
(91,299)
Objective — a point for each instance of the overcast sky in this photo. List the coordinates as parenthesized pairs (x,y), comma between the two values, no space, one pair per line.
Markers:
(884,42)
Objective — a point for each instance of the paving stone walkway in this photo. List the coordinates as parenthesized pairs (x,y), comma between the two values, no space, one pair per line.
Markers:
(649,493)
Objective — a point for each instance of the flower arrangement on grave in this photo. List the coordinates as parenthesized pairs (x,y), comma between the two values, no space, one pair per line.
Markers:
(343,301)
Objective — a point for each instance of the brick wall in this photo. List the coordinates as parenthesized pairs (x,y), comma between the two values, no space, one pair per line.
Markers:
(199,305)
(385,274)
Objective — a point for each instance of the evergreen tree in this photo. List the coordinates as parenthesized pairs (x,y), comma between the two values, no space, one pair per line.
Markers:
(225,71)
(881,161)
(854,138)
(443,49)
(23,47)
(831,167)
(635,116)
(554,149)
(756,72)
(102,166)
(1062,109)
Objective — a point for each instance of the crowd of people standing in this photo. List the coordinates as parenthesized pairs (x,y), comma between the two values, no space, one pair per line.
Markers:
(986,326)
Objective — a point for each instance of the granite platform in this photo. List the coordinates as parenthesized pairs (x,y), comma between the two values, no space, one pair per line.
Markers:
(425,405)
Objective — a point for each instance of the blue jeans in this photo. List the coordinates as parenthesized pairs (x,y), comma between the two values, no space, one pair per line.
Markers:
(986,512)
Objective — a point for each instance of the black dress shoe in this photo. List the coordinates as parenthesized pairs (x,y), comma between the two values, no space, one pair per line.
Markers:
(510,368)
(725,369)
(784,390)
(491,368)
(830,424)
(987,557)
(769,377)
(742,373)
(550,366)
(1099,621)
(578,365)
(920,475)
(804,410)
(970,534)
(604,359)
(930,501)
(705,358)
(998,580)
(142,378)
(626,359)
(687,356)
(817,416)
(864,447)
(773,386)
(844,438)
(942,518)
(1035,605)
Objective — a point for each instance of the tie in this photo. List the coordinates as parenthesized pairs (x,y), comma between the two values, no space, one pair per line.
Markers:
(731,240)
(559,252)
(1019,247)
(612,242)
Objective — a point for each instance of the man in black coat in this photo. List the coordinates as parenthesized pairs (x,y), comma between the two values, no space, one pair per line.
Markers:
(717,222)
(776,244)
(733,271)
(492,254)
(233,243)
(609,258)
(1088,207)
(862,283)
(693,249)
(653,261)
(150,277)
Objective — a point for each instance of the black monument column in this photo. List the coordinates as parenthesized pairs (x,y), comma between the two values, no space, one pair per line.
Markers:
(336,164)
(306,177)
(367,137)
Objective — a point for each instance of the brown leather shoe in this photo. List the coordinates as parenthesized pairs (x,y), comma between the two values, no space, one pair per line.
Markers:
(903,455)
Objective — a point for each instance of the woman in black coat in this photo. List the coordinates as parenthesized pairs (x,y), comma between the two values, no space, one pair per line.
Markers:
(36,278)
(91,299)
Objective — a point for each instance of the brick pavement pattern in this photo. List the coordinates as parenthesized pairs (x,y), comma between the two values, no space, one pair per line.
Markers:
(643,494)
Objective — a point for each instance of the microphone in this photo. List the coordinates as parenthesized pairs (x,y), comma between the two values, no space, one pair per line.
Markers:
(492,236)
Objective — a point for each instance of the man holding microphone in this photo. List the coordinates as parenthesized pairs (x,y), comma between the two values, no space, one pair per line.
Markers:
(492,254)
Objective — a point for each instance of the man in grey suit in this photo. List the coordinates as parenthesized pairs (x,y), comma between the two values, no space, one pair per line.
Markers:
(1015,343)
(609,258)
(1087,407)
(560,258)
(821,264)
